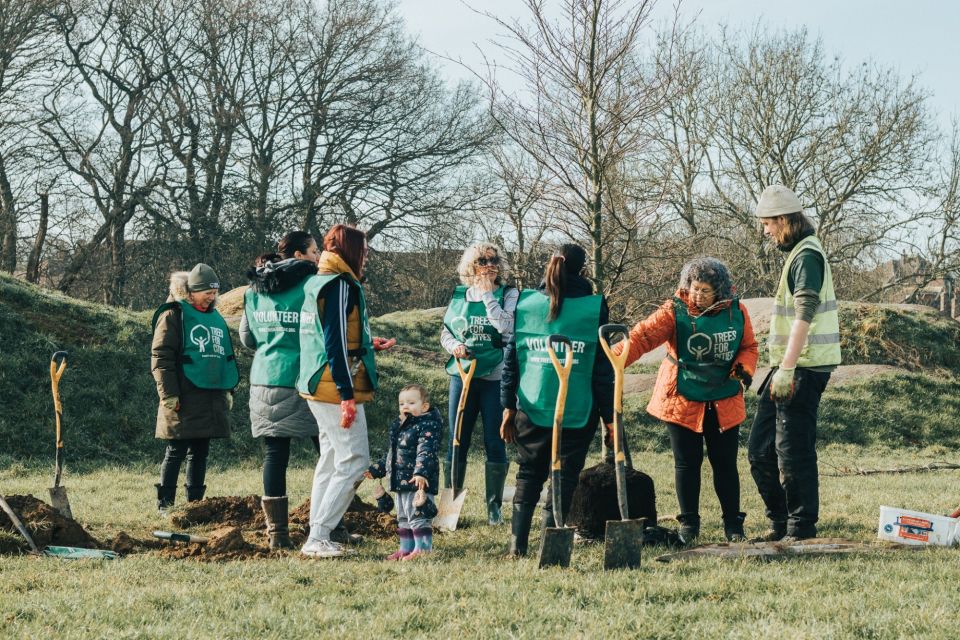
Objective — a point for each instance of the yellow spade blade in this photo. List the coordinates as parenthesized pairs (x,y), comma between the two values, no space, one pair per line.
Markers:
(448,511)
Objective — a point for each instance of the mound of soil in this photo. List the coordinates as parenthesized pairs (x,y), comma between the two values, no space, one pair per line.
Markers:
(231,511)
(595,500)
(361,518)
(46,525)
(225,543)
(245,513)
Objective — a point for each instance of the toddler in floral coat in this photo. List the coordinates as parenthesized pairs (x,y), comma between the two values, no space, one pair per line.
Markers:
(413,468)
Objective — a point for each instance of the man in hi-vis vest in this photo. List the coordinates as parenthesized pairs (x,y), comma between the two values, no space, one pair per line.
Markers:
(804,349)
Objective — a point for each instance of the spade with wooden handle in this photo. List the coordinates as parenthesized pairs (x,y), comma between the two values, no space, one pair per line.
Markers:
(58,494)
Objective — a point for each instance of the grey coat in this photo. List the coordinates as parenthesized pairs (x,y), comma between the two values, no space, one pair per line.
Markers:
(277,412)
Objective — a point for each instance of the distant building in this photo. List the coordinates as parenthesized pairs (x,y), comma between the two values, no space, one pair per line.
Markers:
(911,277)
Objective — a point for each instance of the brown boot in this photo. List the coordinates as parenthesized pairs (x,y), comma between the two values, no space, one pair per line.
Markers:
(275,512)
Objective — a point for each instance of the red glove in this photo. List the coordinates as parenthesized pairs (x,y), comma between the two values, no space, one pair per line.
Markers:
(382,344)
(348,413)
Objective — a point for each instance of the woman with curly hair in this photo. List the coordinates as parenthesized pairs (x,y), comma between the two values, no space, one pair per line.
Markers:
(477,325)
(711,358)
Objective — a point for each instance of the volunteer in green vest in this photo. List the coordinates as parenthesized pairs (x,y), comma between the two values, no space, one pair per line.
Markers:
(478,324)
(337,375)
(563,304)
(195,370)
(804,348)
(271,325)
(711,350)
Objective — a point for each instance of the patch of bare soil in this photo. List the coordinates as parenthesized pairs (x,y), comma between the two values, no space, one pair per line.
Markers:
(45,525)
(231,511)
(225,543)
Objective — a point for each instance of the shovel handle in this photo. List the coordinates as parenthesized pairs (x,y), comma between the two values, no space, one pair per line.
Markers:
(18,524)
(466,376)
(563,373)
(619,362)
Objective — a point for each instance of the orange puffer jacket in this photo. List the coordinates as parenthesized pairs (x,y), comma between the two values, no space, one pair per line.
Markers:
(668,405)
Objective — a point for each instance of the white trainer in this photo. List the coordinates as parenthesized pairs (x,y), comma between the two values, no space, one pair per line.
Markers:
(322,549)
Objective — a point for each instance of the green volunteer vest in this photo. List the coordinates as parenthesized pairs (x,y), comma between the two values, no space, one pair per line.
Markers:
(823,341)
(313,353)
(537,393)
(206,355)
(468,322)
(707,346)
(274,320)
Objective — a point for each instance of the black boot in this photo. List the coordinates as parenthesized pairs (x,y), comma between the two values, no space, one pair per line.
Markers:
(275,513)
(733,527)
(520,529)
(165,498)
(777,530)
(689,527)
(495,476)
(195,493)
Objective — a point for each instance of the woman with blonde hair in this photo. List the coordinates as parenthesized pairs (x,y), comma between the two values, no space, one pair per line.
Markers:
(477,325)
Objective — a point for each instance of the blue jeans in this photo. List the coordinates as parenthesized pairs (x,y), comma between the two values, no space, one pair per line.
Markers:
(483,400)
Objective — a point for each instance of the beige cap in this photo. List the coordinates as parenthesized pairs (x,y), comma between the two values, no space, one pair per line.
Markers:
(777,200)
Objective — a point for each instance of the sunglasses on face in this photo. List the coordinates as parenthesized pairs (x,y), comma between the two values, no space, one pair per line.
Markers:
(483,262)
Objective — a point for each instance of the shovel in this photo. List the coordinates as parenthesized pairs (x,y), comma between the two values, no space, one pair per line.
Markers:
(18,524)
(453,497)
(624,537)
(58,494)
(556,545)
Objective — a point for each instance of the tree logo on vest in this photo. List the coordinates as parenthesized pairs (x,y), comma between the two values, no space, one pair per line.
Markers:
(459,328)
(699,345)
(201,336)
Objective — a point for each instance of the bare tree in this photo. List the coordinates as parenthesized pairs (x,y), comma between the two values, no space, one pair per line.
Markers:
(382,130)
(24,47)
(852,144)
(110,57)
(585,113)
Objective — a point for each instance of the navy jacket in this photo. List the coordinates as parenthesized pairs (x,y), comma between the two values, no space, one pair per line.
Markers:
(412,452)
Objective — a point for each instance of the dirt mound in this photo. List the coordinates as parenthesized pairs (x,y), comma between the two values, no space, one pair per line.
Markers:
(46,525)
(225,543)
(231,511)
(595,500)
(361,518)
(230,303)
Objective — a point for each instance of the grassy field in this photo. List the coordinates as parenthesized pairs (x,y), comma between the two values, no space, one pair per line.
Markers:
(469,590)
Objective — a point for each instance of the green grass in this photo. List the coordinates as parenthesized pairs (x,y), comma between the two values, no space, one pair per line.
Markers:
(468,591)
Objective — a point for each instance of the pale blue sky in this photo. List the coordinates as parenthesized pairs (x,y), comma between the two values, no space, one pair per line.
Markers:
(920,37)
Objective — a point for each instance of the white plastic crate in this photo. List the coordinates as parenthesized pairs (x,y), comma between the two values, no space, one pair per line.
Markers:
(916,527)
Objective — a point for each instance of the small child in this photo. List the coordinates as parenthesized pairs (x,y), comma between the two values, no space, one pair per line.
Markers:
(413,467)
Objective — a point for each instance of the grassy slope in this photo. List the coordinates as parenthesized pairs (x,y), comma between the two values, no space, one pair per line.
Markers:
(468,591)
(110,401)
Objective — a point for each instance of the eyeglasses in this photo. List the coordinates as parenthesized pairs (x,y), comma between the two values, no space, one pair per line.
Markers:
(492,261)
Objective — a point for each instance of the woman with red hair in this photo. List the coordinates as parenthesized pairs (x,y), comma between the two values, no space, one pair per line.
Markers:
(337,375)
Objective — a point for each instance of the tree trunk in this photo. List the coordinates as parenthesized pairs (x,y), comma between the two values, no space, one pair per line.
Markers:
(33,262)
(8,224)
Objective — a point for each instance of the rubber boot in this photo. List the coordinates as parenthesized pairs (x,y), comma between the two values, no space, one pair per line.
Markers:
(165,498)
(733,528)
(777,530)
(520,529)
(495,476)
(195,494)
(275,513)
(689,527)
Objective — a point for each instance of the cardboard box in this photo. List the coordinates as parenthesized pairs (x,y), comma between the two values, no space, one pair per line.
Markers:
(916,527)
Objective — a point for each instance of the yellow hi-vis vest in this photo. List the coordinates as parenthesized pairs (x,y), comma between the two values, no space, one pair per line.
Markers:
(823,341)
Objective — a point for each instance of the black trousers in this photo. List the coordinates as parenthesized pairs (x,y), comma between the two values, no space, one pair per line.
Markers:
(194,451)
(275,461)
(783,455)
(688,458)
(533,459)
